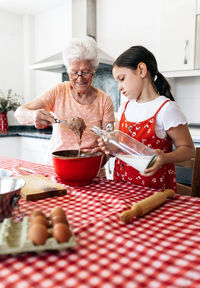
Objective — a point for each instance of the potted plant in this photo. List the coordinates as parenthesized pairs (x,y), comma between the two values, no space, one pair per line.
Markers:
(8,102)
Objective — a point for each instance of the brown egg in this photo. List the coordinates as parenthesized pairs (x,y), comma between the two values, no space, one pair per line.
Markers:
(59,218)
(36,213)
(38,234)
(61,232)
(39,220)
(58,210)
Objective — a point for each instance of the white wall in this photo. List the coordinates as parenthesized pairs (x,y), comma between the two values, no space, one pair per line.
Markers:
(186,92)
(28,57)
(11,54)
(25,39)
(52,31)
(187,95)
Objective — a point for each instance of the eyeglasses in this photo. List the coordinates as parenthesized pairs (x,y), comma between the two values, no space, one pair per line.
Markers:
(85,74)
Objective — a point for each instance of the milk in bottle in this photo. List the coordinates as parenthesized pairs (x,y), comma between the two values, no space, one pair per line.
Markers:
(127,149)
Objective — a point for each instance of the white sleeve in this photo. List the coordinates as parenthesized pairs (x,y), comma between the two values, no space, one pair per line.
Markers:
(170,116)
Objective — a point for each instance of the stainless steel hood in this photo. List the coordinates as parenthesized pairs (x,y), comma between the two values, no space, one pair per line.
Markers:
(55,63)
(86,26)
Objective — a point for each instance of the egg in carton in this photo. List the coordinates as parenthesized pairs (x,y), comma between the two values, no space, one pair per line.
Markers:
(14,238)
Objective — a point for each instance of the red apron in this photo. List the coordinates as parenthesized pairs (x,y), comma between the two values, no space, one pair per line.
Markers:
(144,132)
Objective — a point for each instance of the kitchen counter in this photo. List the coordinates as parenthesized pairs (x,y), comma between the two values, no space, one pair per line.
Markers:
(26,143)
(28,131)
(195,133)
(183,174)
(31,131)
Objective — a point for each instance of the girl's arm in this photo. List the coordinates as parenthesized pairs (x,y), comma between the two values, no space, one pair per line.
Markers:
(182,140)
(185,149)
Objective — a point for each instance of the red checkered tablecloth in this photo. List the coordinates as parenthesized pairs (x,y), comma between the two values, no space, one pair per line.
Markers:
(161,249)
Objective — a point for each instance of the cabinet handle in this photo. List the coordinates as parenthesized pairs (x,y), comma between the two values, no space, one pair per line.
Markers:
(186,45)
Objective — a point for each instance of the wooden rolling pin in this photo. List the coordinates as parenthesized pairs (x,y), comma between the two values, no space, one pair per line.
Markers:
(148,204)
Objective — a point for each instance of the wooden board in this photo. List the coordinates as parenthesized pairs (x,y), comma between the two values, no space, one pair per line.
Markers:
(40,187)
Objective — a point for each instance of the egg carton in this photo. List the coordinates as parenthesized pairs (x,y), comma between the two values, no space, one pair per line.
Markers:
(14,239)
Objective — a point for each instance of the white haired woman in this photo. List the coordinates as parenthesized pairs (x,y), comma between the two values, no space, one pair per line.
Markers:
(73,98)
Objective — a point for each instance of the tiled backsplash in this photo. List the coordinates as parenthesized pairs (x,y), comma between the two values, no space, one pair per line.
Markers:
(103,80)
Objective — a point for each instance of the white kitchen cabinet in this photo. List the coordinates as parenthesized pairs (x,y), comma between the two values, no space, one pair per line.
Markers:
(165,27)
(177,35)
(198,6)
(24,148)
(122,24)
(10,147)
(34,149)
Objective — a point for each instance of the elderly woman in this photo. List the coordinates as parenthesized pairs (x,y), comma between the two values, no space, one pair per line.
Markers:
(74,98)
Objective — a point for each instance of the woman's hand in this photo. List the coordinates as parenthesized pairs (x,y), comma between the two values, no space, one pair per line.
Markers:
(159,162)
(42,118)
(102,146)
(94,150)
(91,150)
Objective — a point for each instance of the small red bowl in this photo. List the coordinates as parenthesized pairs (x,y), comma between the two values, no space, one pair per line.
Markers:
(74,170)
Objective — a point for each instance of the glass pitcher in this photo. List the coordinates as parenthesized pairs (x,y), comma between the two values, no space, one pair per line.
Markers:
(127,149)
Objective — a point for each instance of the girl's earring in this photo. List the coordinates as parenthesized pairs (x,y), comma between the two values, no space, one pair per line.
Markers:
(142,76)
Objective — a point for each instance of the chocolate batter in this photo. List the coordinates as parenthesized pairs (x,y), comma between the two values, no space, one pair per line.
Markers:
(78,126)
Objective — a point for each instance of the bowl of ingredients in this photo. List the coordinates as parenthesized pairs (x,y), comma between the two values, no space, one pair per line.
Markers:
(76,169)
(9,196)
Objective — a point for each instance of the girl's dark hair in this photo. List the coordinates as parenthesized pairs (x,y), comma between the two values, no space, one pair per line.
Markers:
(136,54)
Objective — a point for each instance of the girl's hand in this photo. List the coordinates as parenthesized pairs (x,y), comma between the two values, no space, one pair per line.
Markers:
(42,118)
(159,162)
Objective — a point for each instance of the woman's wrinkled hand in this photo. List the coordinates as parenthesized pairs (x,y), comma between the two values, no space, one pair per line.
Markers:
(94,150)
(42,118)
(102,146)
(91,150)
(158,163)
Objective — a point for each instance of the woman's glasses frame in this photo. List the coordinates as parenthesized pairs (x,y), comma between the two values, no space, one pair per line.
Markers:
(85,74)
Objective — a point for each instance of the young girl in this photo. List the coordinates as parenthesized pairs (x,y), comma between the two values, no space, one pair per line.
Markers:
(152,117)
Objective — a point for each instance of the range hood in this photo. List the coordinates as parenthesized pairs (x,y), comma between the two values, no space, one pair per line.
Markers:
(84,13)
(55,63)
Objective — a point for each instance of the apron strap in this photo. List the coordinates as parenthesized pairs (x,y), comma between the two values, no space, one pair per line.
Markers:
(161,107)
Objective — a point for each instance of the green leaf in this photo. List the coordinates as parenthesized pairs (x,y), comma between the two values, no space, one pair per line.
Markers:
(9,102)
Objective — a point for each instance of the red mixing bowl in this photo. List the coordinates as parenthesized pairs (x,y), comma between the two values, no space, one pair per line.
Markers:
(74,170)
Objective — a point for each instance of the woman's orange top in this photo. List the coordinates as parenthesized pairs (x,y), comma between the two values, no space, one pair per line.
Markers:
(60,101)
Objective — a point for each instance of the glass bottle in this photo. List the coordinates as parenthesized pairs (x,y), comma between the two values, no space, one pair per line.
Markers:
(126,148)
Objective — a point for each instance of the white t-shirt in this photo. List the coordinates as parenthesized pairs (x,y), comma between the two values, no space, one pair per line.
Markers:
(169,115)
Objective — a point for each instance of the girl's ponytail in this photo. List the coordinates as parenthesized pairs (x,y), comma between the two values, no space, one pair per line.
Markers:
(162,86)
